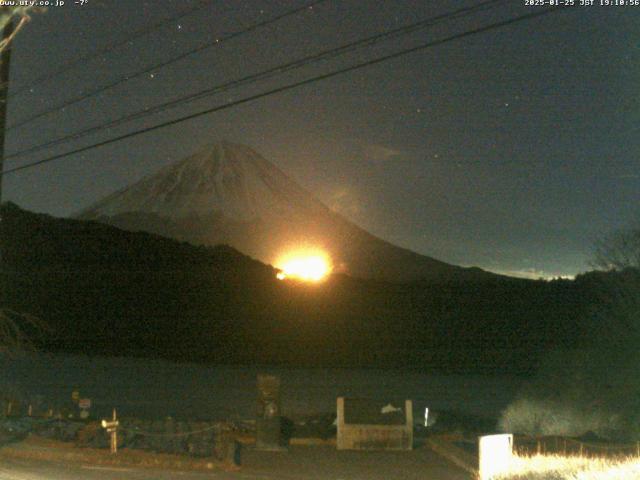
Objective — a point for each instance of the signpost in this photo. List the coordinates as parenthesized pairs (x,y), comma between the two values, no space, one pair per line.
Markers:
(112,428)
(84,404)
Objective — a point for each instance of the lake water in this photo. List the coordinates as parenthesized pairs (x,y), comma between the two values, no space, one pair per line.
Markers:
(156,389)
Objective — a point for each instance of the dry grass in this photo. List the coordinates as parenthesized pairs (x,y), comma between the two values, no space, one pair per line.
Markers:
(558,467)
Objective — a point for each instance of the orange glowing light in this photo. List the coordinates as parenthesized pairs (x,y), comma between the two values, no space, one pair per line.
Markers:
(308,266)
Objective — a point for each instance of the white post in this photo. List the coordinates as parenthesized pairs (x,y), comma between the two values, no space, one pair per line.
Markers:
(408,410)
(496,452)
(340,434)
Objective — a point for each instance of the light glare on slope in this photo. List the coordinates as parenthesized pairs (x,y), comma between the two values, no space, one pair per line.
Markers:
(311,267)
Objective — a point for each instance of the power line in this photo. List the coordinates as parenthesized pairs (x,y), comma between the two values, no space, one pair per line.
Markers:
(108,48)
(291,86)
(157,66)
(265,74)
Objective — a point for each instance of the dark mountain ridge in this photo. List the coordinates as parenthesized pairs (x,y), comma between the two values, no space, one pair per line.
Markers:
(113,292)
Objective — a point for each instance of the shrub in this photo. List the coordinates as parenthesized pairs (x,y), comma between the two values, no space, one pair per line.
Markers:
(553,417)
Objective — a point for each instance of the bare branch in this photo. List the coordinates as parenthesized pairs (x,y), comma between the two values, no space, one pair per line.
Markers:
(7,14)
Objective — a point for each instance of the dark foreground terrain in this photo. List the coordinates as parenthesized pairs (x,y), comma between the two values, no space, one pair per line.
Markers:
(299,463)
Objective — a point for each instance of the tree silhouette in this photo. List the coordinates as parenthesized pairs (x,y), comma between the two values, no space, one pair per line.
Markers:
(18,331)
(619,250)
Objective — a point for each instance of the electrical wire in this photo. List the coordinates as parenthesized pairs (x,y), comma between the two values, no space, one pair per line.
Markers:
(159,65)
(109,48)
(265,74)
(291,86)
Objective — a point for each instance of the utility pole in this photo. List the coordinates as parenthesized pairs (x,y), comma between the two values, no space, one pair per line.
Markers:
(5,60)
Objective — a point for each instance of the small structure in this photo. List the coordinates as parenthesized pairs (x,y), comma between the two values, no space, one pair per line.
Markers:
(370,425)
(496,452)
(269,419)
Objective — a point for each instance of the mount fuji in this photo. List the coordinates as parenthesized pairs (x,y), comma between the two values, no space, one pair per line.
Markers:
(229,194)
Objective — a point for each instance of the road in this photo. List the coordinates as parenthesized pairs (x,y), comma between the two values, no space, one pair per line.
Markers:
(299,463)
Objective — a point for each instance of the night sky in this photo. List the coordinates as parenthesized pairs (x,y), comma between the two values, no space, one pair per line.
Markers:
(512,150)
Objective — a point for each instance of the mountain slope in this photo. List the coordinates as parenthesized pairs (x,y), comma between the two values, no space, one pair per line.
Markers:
(229,194)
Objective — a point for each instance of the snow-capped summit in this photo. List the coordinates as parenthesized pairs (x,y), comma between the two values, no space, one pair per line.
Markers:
(224,178)
(228,193)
